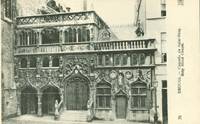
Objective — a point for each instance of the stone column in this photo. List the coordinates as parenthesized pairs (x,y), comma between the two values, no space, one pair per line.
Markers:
(39,37)
(28,38)
(77,35)
(18,103)
(39,104)
(50,61)
(17,38)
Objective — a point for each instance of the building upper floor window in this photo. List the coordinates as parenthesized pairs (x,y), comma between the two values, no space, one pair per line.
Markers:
(23,63)
(125,59)
(55,62)
(117,59)
(163,47)
(164,83)
(33,62)
(103,95)
(45,62)
(108,61)
(180,2)
(163,8)
(77,35)
(8,9)
(27,37)
(50,35)
(139,95)
(142,58)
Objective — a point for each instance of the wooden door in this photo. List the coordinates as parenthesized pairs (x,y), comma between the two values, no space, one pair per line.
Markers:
(76,95)
(121,106)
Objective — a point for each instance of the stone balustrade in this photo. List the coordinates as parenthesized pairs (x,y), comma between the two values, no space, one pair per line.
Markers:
(85,17)
(91,46)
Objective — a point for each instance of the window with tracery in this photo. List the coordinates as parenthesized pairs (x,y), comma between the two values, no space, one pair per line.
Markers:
(50,36)
(138,95)
(103,95)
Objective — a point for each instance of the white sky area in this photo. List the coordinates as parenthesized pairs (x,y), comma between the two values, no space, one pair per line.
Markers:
(113,12)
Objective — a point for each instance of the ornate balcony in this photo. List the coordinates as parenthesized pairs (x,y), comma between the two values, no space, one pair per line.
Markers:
(70,18)
(88,47)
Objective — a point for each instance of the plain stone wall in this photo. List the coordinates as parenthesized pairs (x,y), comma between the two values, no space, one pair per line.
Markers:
(9,101)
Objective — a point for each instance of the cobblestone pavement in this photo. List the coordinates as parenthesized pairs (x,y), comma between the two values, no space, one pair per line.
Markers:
(30,119)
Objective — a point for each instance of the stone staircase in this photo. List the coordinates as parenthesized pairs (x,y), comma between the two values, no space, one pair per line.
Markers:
(77,116)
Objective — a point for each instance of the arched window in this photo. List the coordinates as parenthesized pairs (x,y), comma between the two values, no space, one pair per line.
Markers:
(45,62)
(33,62)
(103,95)
(55,62)
(79,35)
(139,95)
(66,36)
(84,35)
(134,59)
(32,38)
(50,36)
(70,35)
(23,63)
(74,35)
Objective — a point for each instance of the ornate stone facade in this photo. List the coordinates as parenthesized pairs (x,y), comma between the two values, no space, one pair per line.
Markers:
(82,71)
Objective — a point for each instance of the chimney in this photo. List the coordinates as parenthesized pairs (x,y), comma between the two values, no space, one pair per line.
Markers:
(84,5)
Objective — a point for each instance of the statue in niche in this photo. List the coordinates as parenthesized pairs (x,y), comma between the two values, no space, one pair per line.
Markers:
(140,75)
(139,31)
(121,79)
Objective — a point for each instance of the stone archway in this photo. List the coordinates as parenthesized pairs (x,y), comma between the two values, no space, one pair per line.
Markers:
(49,96)
(76,93)
(29,101)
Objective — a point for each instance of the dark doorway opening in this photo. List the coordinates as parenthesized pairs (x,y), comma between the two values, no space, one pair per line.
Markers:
(29,101)
(164,102)
(50,95)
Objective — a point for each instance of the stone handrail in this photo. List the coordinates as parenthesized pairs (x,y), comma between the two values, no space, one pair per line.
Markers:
(91,46)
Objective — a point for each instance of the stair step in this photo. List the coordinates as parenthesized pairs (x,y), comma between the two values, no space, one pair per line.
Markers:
(80,116)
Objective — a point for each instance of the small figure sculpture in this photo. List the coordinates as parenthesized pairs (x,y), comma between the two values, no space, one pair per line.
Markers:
(56,110)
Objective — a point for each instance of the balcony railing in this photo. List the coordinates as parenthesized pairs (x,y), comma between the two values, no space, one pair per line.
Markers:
(88,47)
(62,19)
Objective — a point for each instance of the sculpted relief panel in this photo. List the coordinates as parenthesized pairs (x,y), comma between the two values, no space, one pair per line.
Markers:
(85,65)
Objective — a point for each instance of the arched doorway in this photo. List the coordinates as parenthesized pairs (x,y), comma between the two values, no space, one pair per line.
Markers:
(76,94)
(49,96)
(29,101)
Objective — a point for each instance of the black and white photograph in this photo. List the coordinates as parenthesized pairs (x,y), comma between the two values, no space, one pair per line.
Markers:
(98,62)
